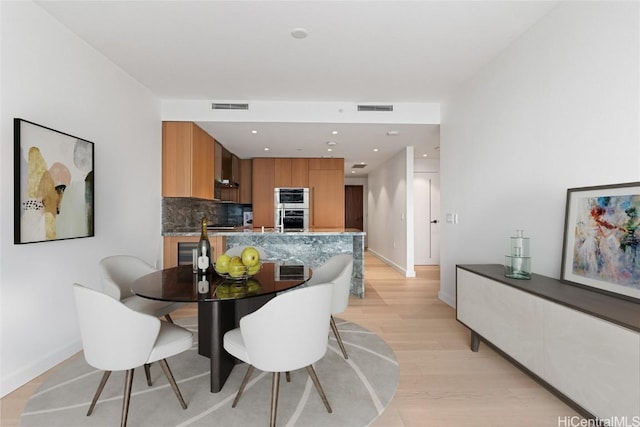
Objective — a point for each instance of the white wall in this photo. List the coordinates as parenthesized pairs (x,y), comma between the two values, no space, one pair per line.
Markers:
(558,109)
(390,207)
(51,77)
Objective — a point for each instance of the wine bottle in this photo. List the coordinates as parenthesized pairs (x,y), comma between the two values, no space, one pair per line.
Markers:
(204,249)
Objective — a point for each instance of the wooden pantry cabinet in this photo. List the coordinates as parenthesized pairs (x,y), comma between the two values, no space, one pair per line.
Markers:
(326,186)
(187,161)
(262,186)
(324,177)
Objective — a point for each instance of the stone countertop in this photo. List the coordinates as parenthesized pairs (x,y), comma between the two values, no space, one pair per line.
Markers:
(243,230)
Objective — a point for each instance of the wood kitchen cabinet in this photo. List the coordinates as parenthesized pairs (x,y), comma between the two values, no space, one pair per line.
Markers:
(325,178)
(170,247)
(326,164)
(291,172)
(187,161)
(245,180)
(235,169)
(263,184)
(327,198)
(218,162)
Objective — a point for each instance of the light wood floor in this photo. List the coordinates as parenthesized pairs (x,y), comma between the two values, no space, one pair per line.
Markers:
(442,382)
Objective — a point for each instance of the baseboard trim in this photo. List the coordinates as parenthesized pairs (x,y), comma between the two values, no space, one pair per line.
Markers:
(392,264)
(21,377)
(446,298)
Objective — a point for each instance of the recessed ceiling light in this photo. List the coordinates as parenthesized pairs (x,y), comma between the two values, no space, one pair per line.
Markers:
(331,143)
(254,131)
(425,155)
(334,132)
(299,33)
(353,171)
(329,149)
(393,133)
(266,148)
(375,149)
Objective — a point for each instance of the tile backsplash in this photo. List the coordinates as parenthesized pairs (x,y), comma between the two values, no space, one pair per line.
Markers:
(183,214)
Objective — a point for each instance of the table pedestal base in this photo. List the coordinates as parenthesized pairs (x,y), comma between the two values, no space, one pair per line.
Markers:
(215,318)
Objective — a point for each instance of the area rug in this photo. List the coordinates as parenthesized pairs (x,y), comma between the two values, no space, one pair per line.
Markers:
(358,390)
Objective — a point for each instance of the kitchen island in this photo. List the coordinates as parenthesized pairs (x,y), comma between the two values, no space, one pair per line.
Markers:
(313,247)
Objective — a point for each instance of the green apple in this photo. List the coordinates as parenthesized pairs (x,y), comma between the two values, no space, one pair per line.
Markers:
(250,256)
(222,263)
(238,291)
(223,291)
(236,267)
(253,270)
(253,287)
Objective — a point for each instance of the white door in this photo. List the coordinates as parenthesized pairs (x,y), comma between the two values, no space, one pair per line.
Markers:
(426,187)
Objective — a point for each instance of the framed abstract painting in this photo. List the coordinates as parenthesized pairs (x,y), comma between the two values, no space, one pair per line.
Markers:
(53,184)
(601,248)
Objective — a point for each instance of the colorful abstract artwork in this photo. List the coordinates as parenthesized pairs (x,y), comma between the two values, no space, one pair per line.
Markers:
(54,189)
(602,238)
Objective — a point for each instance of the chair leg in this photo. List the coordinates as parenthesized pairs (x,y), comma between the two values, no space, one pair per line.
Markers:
(147,372)
(288,376)
(127,398)
(103,381)
(165,368)
(168,318)
(245,380)
(275,386)
(338,337)
(316,382)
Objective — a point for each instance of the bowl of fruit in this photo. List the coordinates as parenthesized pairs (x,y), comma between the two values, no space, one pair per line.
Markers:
(239,267)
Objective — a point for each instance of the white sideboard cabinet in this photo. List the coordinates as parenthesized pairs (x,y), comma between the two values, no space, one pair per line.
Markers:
(582,345)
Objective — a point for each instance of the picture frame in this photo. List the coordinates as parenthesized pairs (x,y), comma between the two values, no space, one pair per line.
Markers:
(53,184)
(601,245)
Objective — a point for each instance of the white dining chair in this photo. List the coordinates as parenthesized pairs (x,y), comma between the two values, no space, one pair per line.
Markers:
(117,338)
(287,333)
(118,272)
(337,271)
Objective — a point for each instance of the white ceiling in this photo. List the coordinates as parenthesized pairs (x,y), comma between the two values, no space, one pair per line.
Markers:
(358,52)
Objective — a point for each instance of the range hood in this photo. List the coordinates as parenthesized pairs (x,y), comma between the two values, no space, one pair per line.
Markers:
(225,183)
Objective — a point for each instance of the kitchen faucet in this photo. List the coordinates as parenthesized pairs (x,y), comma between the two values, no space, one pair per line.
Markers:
(280,223)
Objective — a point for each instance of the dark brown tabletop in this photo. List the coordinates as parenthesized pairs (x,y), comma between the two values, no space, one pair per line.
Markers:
(180,284)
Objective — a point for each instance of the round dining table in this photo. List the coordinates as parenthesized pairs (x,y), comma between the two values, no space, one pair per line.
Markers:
(222,302)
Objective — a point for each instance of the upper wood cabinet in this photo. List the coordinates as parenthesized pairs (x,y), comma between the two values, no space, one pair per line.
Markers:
(218,162)
(235,169)
(263,184)
(326,164)
(245,192)
(226,164)
(291,172)
(187,161)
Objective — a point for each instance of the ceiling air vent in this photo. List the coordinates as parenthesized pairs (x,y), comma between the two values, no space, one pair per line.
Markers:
(229,106)
(358,166)
(375,107)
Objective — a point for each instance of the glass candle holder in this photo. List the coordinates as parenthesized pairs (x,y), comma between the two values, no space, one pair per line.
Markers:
(517,265)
